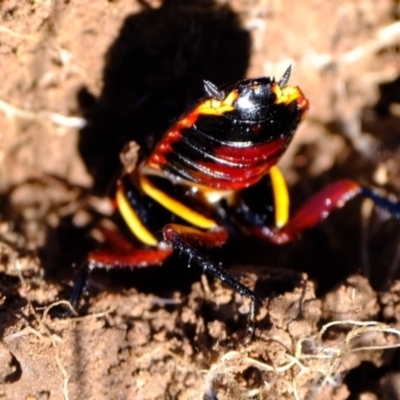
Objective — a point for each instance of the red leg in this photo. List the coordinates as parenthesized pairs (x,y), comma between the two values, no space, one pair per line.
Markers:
(118,252)
(195,237)
(313,211)
(121,253)
(183,239)
(136,258)
(178,237)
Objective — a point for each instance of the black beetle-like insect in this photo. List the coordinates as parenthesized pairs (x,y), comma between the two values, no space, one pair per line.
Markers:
(196,182)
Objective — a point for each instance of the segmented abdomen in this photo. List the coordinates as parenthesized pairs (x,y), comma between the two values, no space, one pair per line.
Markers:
(197,149)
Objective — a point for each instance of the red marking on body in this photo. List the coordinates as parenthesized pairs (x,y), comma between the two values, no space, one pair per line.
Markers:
(232,177)
(251,154)
(303,104)
(253,163)
(157,157)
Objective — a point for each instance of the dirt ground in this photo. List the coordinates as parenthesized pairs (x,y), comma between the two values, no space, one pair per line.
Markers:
(79,79)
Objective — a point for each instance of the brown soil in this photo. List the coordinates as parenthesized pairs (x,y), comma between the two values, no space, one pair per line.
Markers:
(79,80)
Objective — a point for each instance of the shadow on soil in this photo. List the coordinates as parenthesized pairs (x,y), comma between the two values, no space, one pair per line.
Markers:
(153,72)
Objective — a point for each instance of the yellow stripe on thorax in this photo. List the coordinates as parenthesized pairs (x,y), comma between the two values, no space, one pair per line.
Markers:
(281,197)
(133,221)
(287,94)
(175,206)
(218,107)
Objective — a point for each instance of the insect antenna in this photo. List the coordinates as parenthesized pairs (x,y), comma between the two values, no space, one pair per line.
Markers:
(285,77)
(212,91)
